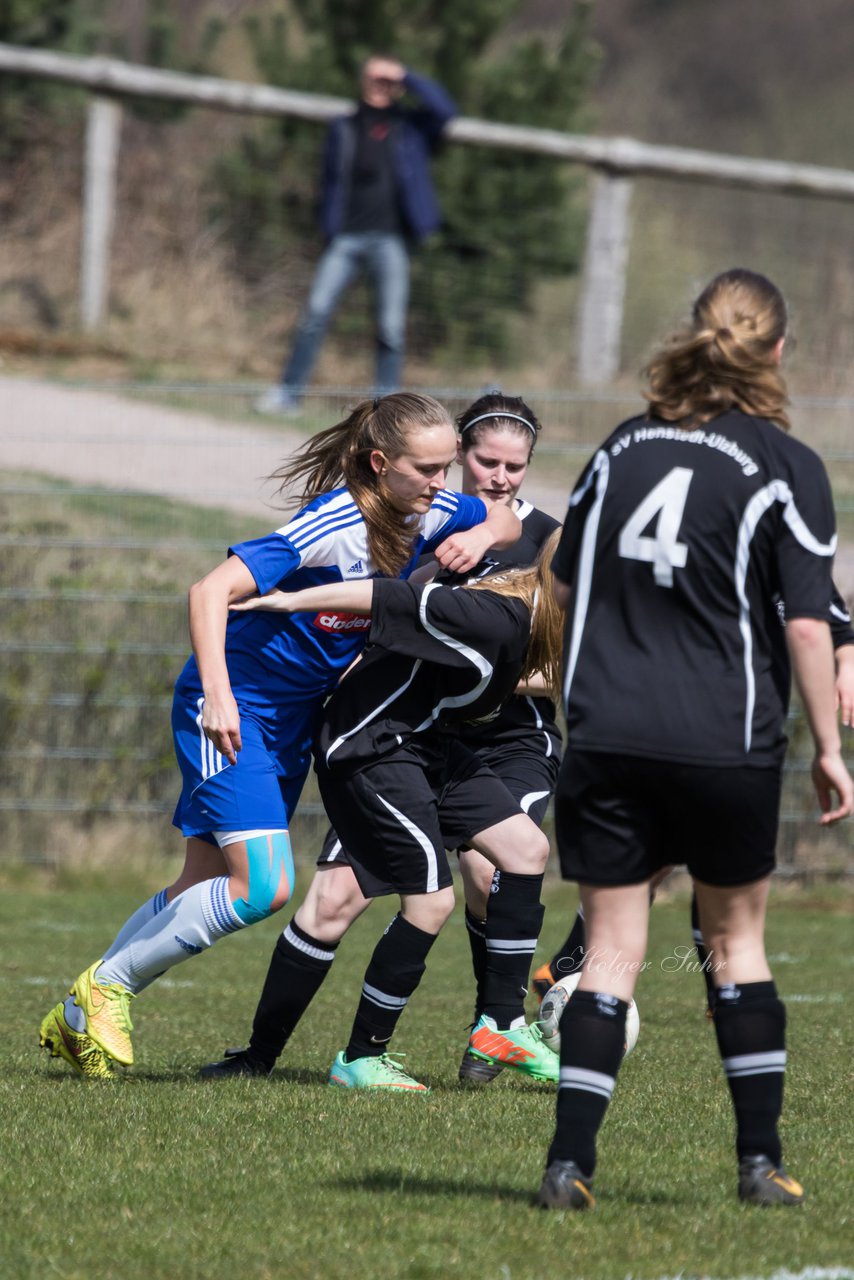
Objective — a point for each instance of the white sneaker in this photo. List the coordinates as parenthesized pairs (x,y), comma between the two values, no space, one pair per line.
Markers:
(276,400)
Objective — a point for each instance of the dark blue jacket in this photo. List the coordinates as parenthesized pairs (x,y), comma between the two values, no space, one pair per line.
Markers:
(416,133)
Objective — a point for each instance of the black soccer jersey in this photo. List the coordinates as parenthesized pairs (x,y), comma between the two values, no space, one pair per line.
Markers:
(437,657)
(522,716)
(676,544)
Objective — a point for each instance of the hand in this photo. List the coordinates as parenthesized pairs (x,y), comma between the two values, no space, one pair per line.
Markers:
(221,723)
(830,775)
(273,602)
(463,551)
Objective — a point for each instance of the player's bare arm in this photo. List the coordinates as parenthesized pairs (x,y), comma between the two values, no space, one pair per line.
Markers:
(209,599)
(351,597)
(811,651)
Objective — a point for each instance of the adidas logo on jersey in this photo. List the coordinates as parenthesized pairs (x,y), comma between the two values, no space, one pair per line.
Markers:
(341,622)
(358,567)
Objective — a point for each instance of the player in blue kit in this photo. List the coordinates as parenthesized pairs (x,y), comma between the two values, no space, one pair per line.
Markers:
(247,702)
(685,528)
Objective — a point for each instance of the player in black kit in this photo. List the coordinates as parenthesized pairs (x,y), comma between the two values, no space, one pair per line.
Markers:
(521,745)
(569,956)
(400,787)
(682,531)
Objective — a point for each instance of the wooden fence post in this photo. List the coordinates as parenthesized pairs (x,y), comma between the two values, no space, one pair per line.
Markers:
(103,126)
(604,280)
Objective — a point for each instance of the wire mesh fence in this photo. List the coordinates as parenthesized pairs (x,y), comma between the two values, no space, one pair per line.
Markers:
(93,621)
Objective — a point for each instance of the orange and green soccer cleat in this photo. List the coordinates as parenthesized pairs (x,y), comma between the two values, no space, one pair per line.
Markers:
(107,1009)
(521,1048)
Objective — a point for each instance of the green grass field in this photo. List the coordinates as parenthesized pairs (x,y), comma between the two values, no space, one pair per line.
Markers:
(161,1175)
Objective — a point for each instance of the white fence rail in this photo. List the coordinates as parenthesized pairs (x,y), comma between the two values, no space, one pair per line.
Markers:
(616,160)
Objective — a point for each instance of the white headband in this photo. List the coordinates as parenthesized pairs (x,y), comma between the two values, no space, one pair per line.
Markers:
(500,413)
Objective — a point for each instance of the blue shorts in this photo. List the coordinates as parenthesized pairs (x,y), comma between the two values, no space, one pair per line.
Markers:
(259,793)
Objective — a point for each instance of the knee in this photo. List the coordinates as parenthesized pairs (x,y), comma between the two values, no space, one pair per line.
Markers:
(335,905)
(270,877)
(429,911)
(333,901)
(531,855)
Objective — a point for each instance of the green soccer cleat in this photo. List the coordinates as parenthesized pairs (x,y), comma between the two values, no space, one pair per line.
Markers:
(107,1009)
(373,1073)
(75,1047)
(762,1182)
(564,1186)
(521,1048)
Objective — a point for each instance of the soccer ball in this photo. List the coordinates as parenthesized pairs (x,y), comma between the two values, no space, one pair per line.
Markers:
(555,1001)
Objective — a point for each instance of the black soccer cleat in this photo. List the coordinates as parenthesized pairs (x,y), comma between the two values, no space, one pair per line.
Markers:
(475,1071)
(760,1181)
(564,1186)
(237,1062)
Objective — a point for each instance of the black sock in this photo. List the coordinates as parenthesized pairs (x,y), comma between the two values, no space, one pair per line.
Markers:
(514,917)
(750,1023)
(592,1040)
(476,930)
(394,972)
(570,956)
(703,955)
(298,965)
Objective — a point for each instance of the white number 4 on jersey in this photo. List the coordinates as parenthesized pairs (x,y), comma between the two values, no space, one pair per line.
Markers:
(664,551)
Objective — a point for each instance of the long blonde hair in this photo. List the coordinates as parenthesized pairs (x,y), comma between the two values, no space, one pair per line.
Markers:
(535,586)
(726,358)
(341,455)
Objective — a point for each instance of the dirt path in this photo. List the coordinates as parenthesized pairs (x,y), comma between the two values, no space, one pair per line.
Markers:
(97,437)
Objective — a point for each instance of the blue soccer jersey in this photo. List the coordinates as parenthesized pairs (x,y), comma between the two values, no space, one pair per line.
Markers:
(282,666)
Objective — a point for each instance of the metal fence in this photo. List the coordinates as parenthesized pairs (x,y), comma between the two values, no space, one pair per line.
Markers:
(93,619)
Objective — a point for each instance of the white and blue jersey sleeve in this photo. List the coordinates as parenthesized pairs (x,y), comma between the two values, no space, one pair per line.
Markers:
(329,538)
(450,513)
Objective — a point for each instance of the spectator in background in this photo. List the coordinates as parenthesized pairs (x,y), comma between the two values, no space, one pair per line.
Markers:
(377,199)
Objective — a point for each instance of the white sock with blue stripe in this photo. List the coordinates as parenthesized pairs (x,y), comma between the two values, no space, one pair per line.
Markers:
(134,923)
(189,924)
(74,1015)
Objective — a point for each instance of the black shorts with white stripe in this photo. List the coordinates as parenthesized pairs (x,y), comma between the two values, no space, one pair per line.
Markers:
(396,818)
(527,773)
